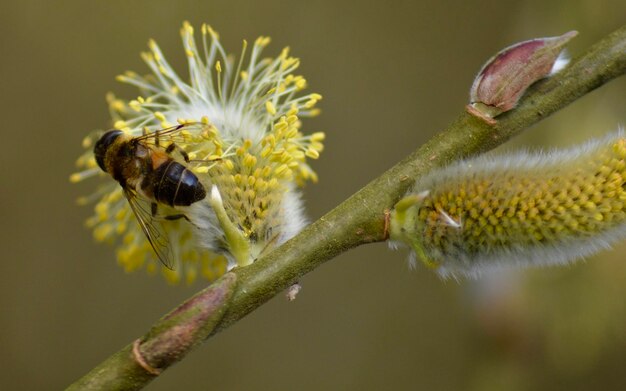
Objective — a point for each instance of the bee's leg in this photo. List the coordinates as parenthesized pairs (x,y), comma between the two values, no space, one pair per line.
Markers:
(177,217)
(174,146)
(154,209)
(156,138)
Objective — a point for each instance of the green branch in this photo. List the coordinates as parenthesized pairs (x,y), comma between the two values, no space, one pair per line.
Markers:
(358,220)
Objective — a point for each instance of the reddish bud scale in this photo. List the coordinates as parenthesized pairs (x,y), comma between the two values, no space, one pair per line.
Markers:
(505,77)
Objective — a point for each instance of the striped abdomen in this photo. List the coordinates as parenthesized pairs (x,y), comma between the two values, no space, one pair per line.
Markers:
(173,184)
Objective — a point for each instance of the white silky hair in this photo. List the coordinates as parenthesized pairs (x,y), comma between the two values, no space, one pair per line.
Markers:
(289,221)
(293,217)
(557,252)
(561,62)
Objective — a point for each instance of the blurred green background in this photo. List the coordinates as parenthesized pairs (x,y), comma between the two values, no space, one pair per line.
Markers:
(392,74)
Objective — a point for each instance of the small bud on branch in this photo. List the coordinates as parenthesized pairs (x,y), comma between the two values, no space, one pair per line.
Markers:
(505,77)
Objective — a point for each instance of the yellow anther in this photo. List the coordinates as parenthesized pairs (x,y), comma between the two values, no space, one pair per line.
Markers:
(273,183)
(317,146)
(102,232)
(266,151)
(76,177)
(278,151)
(293,110)
(312,153)
(301,84)
(262,41)
(129,238)
(102,210)
(121,214)
(147,57)
(188,27)
(120,228)
(281,125)
(117,105)
(310,103)
(287,174)
(114,196)
(218,66)
(258,182)
(213,33)
(271,139)
(286,157)
(318,136)
(243,75)
(249,160)
(135,105)
(159,116)
(292,132)
(280,169)
(271,109)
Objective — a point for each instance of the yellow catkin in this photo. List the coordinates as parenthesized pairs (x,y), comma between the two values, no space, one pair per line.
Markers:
(525,209)
(255,157)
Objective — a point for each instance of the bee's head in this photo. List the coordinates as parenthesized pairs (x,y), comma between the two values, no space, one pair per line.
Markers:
(103,144)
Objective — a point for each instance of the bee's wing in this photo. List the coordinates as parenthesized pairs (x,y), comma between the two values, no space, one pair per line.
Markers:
(171,134)
(153,228)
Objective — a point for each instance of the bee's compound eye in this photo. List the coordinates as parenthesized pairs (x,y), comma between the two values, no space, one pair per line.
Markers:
(102,145)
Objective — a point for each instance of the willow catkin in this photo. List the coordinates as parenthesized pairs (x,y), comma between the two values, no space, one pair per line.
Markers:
(524,209)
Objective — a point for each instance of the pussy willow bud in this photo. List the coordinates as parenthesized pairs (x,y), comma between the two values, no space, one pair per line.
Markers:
(519,210)
(505,77)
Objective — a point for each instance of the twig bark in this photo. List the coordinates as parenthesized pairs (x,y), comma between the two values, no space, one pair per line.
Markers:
(358,220)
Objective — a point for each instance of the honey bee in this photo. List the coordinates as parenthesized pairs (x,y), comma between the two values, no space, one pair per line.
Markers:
(150,176)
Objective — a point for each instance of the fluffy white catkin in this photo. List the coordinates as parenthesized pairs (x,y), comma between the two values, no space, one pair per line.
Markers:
(516,210)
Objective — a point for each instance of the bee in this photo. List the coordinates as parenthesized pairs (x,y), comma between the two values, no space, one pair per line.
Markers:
(150,177)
